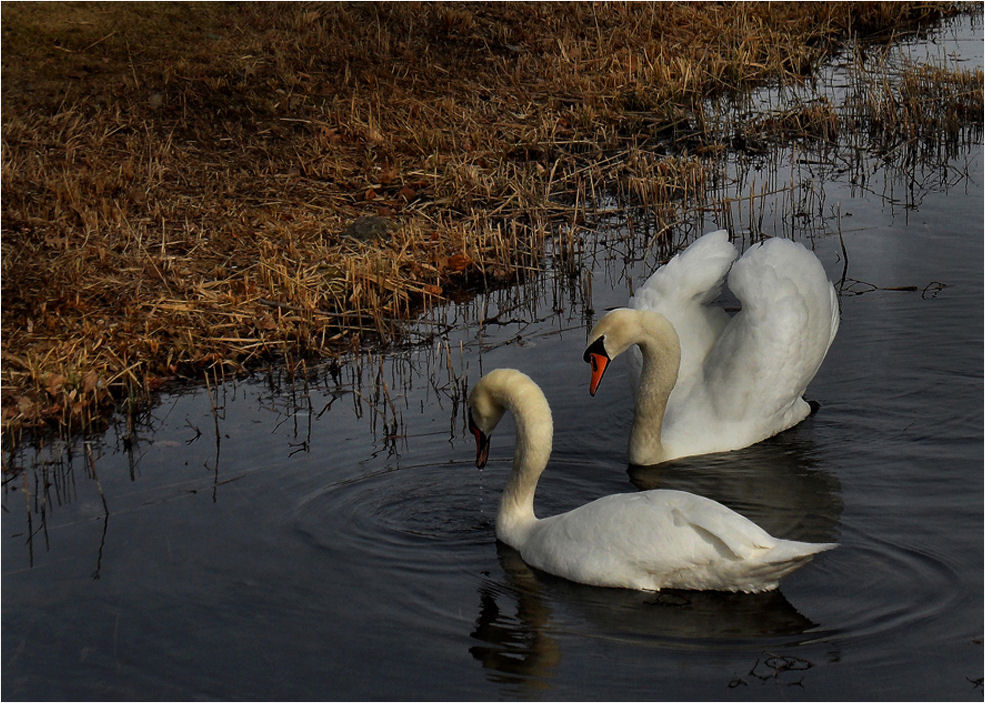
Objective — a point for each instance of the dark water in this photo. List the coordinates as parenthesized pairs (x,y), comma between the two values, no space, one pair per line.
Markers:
(330,538)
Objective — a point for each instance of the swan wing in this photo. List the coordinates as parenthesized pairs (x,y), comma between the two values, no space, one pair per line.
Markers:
(662,539)
(732,535)
(683,289)
(695,275)
(772,348)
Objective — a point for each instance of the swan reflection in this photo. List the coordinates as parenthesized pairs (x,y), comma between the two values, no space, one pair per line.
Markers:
(778,484)
(515,649)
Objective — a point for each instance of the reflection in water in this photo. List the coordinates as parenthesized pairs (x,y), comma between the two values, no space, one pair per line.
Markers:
(516,651)
(779,484)
(682,619)
(523,651)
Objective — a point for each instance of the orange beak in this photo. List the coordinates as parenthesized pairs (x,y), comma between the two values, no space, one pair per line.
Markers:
(598,357)
(599,364)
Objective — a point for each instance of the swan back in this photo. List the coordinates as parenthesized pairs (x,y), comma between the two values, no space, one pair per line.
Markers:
(663,539)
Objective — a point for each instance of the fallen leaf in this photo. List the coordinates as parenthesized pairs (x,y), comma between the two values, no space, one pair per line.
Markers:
(26,406)
(54,384)
(154,382)
(90,382)
(458,262)
(53,410)
(498,273)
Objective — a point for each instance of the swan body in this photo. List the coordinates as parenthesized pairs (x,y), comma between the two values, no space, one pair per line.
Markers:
(647,541)
(739,379)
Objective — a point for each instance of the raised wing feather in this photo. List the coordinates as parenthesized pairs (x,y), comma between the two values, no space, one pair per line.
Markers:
(693,276)
(773,347)
(682,291)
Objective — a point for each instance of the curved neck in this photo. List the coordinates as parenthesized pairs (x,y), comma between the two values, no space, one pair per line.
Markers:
(661,352)
(534,434)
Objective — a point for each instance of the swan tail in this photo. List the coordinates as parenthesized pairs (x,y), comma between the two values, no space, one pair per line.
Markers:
(792,550)
(783,559)
(835,310)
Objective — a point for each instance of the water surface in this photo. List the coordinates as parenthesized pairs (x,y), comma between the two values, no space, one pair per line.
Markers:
(329,537)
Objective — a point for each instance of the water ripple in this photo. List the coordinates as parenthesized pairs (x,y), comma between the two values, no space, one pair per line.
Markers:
(413,517)
(898,586)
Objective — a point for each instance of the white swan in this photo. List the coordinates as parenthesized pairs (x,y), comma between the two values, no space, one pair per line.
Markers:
(647,541)
(710,382)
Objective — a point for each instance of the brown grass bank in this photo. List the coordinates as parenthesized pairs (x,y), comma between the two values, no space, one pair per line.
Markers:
(192,188)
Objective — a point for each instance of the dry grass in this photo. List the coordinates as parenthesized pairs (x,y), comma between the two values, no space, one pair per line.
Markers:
(922,105)
(181,181)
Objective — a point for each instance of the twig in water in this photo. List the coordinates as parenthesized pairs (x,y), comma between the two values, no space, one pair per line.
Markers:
(844,252)
(99,485)
(932,290)
(30,525)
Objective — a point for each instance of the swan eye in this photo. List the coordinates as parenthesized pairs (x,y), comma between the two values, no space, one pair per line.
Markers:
(596,348)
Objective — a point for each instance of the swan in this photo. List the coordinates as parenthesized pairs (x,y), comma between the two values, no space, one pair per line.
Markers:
(646,541)
(711,382)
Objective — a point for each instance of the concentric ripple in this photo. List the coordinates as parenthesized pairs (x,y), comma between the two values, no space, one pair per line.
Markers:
(880,586)
(419,517)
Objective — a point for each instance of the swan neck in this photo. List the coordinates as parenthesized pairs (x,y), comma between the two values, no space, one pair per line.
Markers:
(534,433)
(661,363)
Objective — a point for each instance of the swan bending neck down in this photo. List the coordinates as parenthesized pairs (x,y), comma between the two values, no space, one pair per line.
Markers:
(711,382)
(646,541)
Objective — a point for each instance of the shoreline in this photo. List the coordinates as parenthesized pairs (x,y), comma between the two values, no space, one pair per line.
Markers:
(183,204)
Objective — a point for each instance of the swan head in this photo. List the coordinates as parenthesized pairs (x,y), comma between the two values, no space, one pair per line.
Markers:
(509,390)
(618,330)
(486,409)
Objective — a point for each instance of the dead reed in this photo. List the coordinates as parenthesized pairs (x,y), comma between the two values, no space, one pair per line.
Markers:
(916,105)
(192,188)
